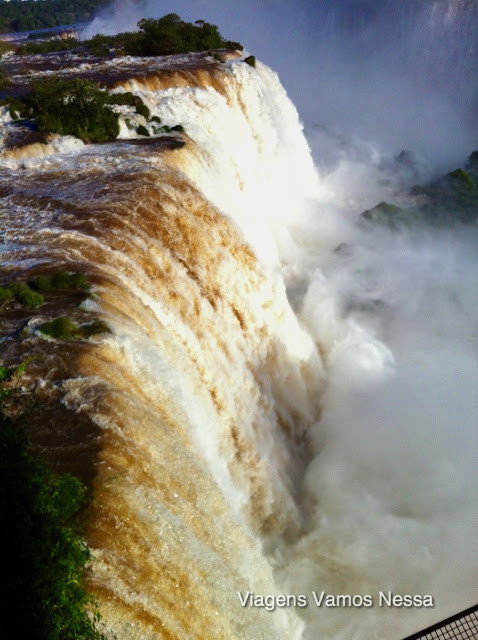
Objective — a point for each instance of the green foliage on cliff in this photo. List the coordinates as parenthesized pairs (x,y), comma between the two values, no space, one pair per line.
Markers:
(155,37)
(164,36)
(73,107)
(389,215)
(26,15)
(41,590)
(450,199)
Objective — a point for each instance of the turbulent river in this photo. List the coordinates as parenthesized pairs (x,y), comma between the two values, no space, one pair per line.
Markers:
(228,423)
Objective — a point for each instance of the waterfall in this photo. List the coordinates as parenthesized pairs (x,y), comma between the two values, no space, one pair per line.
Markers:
(203,420)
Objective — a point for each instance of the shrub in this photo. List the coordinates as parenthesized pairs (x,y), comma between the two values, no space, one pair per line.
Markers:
(21,291)
(25,295)
(60,280)
(65,329)
(142,131)
(73,107)
(6,46)
(95,328)
(60,328)
(6,373)
(64,280)
(99,45)
(125,98)
(178,127)
(42,588)
(6,295)
(47,46)
(250,60)
(143,110)
(18,108)
(156,119)
(42,283)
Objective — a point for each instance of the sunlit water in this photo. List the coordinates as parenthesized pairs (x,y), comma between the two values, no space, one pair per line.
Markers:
(270,414)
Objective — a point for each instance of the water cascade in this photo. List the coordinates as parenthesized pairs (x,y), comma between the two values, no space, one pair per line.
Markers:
(198,419)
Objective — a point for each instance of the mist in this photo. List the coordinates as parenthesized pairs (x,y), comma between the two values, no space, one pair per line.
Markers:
(390,493)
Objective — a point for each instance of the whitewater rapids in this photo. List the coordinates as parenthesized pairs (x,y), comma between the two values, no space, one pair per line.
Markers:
(197,420)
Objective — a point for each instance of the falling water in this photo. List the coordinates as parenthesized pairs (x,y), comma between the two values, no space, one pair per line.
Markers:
(228,424)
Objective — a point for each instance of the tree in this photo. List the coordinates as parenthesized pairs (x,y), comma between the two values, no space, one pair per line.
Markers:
(73,107)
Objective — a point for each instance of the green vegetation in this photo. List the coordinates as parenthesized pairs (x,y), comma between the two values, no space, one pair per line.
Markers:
(126,98)
(460,180)
(41,591)
(20,292)
(6,46)
(450,199)
(17,108)
(7,373)
(73,107)
(95,328)
(5,81)
(61,280)
(60,328)
(143,110)
(19,15)
(47,46)
(389,215)
(169,35)
(156,37)
(142,131)
(78,108)
(65,329)
(250,60)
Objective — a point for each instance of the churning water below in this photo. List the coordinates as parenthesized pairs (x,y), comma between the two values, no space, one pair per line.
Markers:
(269,414)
